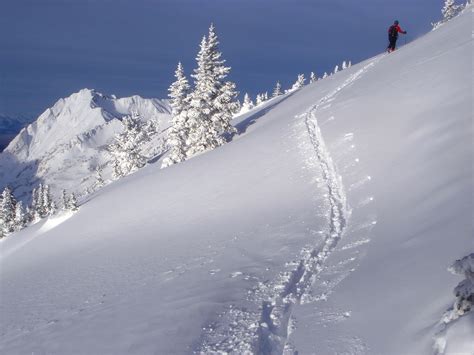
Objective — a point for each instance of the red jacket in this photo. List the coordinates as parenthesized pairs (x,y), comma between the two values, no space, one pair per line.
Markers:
(397,27)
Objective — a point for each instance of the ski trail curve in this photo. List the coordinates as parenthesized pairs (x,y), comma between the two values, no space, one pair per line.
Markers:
(267,331)
(275,324)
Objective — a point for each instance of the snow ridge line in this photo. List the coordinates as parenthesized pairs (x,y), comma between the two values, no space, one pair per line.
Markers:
(275,323)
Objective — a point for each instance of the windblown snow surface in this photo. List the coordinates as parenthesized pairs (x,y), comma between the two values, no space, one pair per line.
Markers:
(325,227)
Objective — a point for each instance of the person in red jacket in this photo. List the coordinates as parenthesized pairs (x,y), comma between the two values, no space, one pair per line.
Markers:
(393,35)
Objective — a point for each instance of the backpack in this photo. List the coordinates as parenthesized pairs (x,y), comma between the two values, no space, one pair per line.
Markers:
(393,31)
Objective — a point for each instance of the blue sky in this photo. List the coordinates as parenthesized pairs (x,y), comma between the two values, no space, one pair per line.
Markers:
(52,48)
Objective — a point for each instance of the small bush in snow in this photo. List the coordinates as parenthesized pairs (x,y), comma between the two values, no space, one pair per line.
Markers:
(247,104)
(299,83)
(277,91)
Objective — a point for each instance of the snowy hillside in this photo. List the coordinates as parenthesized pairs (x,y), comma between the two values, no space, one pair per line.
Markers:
(325,227)
(65,145)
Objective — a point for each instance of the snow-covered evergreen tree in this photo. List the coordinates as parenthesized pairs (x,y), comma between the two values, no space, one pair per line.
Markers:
(99,180)
(225,102)
(247,104)
(237,107)
(299,83)
(259,100)
(213,101)
(226,105)
(178,91)
(72,204)
(344,65)
(28,214)
(336,69)
(277,91)
(7,212)
(349,64)
(450,10)
(49,207)
(265,96)
(64,200)
(37,205)
(126,148)
(198,118)
(32,214)
(178,133)
(20,217)
(313,78)
(325,75)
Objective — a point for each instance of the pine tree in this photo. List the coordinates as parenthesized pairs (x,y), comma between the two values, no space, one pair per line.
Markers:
(28,215)
(226,105)
(247,105)
(49,207)
(64,200)
(32,208)
(265,96)
(277,91)
(125,150)
(299,83)
(200,108)
(72,204)
(259,99)
(344,65)
(238,107)
(178,133)
(99,180)
(7,212)
(37,203)
(325,75)
(313,78)
(350,64)
(213,101)
(225,102)
(336,69)
(20,218)
(449,10)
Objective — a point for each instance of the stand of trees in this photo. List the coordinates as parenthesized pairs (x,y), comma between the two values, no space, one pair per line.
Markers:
(14,217)
(201,116)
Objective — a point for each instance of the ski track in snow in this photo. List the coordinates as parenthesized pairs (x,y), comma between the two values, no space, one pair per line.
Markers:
(267,331)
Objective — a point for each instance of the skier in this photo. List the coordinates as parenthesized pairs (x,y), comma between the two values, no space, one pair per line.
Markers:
(393,35)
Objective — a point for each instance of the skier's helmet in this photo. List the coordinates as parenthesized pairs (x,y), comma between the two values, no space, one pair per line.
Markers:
(396,22)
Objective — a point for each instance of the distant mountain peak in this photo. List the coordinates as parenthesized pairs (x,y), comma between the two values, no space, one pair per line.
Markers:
(67,140)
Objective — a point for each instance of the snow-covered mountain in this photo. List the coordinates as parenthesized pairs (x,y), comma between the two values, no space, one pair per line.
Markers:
(325,227)
(67,142)
(9,128)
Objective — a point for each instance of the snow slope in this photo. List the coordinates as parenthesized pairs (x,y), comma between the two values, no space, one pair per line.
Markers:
(64,146)
(9,128)
(325,227)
